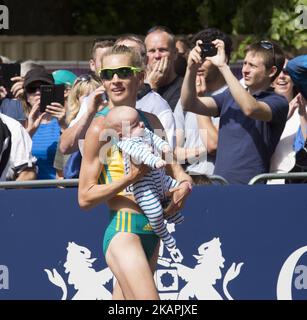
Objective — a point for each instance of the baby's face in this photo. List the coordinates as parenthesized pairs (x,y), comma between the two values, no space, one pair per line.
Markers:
(137,129)
(132,127)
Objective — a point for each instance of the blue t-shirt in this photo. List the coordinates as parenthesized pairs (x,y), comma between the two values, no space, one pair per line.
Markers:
(12,108)
(245,145)
(299,140)
(45,141)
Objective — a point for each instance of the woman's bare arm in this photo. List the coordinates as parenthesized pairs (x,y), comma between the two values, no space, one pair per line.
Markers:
(91,193)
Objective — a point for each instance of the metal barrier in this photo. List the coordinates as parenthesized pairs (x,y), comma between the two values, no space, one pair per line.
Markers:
(265,176)
(219,179)
(74,182)
(68,183)
(39,183)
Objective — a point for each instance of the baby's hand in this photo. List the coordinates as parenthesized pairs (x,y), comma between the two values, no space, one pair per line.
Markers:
(160,164)
(166,149)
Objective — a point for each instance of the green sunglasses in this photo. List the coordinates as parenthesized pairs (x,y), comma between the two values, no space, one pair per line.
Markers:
(124,72)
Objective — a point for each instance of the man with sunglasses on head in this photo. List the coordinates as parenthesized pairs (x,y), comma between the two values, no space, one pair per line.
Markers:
(251,119)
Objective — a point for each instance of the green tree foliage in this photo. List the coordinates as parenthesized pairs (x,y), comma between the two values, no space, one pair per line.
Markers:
(279,25)
(217,13)
(283,28)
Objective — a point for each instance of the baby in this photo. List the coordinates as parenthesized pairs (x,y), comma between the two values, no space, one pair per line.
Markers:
(142,145)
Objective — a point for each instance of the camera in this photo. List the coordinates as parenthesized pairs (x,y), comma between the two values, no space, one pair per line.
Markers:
(207,50)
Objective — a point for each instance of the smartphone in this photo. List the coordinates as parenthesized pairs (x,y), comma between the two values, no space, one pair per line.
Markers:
(104,97)
(51,93)
(8,71)
(208,50)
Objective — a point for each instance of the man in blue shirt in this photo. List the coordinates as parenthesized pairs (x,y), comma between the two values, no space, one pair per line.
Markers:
(251,119)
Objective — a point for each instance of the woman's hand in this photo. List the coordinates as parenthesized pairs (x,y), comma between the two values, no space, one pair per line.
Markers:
(302,103)
(178,197)
(18,87)
(3,92)
(58,111)
(137,171)
(34,119)
(96,101)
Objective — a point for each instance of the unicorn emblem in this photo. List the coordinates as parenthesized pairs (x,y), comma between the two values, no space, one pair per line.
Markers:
(88,282)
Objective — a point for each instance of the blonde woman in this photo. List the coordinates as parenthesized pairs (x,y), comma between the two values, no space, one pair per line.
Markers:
(82,87)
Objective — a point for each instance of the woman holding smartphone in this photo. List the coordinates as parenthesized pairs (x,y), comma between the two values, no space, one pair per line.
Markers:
(131,252)
(44,127)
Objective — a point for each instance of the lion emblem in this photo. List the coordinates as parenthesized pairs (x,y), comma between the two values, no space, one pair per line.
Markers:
(88,282)
(202,278)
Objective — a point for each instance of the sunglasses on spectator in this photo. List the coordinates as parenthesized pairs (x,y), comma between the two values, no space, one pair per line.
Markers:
(84,78)
(285,72)
(33,89)
(268,45)
(124,72)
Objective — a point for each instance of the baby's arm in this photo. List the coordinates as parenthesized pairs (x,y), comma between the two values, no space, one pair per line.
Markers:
(140,153)
(159,143)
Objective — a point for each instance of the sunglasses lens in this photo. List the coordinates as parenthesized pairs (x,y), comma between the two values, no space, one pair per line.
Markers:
(285,72)
(32,89)
(125,73)
(84,77)
(106,74)
(266,45)
(122,73)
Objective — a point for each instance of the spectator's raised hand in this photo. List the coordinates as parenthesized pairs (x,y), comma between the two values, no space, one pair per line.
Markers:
(293,105)
(3,92)
(195,60)
(219,59)
(302,104)
(18,87)
(58,111)
(34,119)
(158,74)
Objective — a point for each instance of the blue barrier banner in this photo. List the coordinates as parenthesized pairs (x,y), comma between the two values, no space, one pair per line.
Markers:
(237,242)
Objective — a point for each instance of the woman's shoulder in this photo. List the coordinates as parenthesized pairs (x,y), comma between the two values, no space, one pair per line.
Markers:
(96,128)
(153,120)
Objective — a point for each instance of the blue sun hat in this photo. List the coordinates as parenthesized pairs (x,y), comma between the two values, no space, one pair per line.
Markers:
(64,77)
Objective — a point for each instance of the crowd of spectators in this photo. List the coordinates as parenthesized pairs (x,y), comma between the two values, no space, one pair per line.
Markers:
(215,123)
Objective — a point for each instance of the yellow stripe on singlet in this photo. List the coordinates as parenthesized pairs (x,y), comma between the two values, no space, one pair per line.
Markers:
(123,221)
(113,170)
(129,221)
(117,221)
